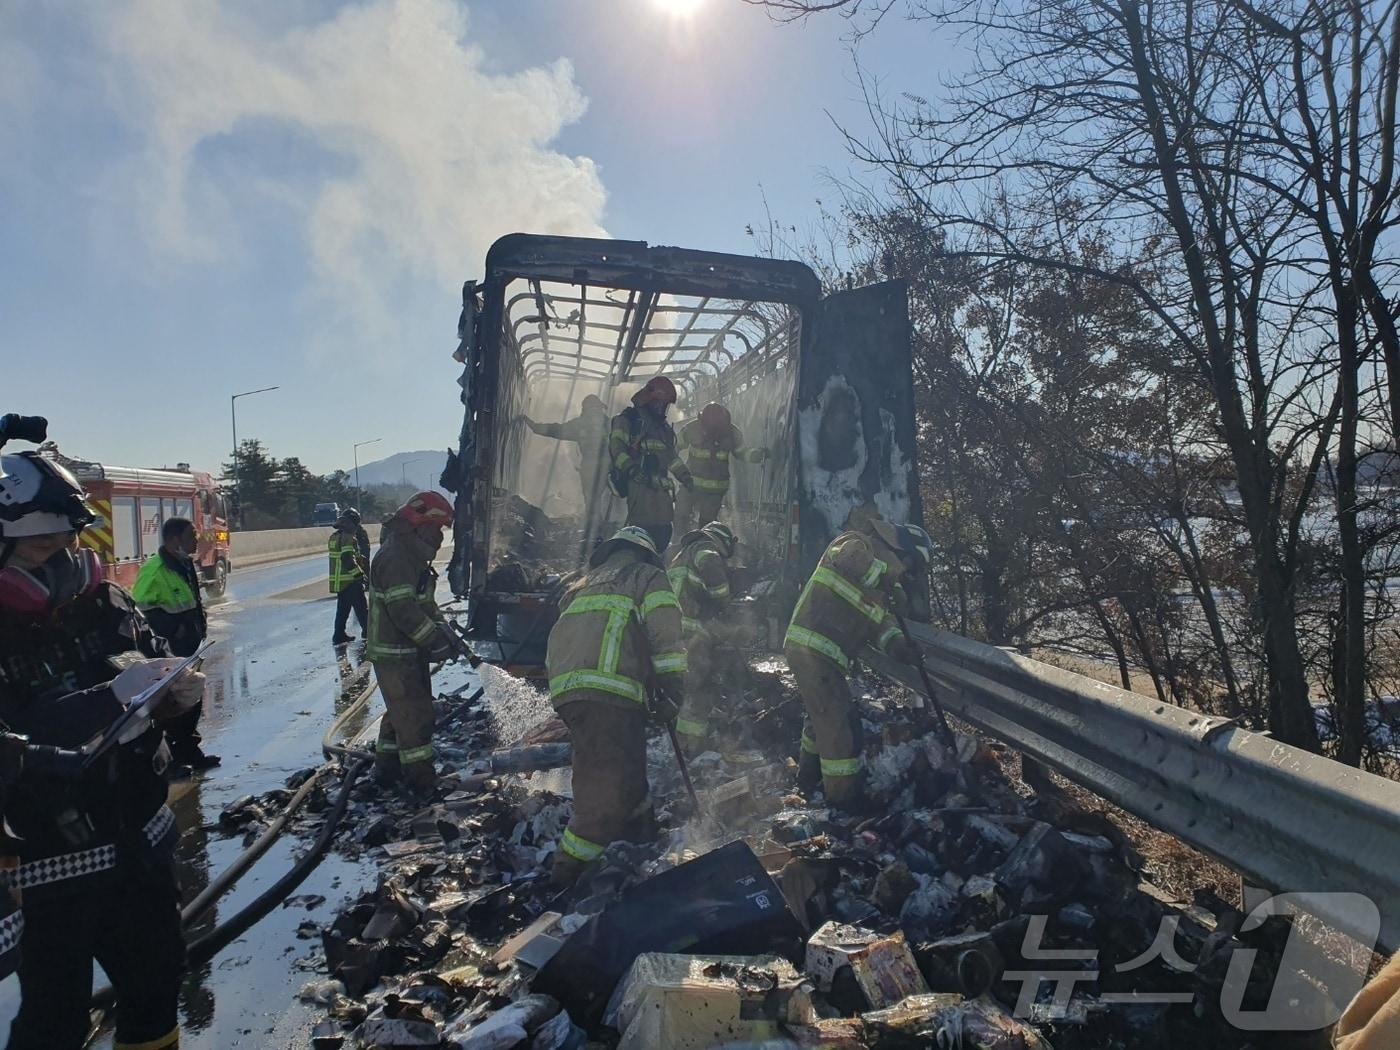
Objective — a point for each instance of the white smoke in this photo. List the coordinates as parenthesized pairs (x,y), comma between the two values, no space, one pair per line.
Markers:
(436,155)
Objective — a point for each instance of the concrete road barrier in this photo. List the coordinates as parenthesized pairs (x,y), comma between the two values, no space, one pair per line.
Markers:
(256,548)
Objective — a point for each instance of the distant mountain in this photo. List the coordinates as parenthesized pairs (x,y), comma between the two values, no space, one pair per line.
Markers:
(420,469)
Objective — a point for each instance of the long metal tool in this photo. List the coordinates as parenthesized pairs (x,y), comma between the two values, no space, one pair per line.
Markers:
(918,651)
(684,767)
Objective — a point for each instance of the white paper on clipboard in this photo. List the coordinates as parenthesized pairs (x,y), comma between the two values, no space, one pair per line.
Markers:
(141,707)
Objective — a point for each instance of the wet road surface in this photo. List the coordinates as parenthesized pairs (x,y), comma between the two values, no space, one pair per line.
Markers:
(275,683)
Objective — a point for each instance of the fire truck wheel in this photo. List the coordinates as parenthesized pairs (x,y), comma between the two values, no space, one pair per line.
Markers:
(214,584)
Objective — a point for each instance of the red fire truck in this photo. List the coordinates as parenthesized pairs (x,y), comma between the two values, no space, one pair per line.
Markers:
(132,502)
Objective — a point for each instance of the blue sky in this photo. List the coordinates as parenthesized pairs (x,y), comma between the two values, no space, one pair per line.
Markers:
(199,198)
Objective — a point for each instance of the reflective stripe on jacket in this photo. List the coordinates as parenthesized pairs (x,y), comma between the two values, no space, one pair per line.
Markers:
(158,586)
(344,561)
(701,581)
(708,457)
(846,602)
(403,612)
(620,631)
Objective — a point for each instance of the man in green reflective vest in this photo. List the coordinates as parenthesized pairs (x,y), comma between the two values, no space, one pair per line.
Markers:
(167,591)
(846,605)
(349,561)
(617,640)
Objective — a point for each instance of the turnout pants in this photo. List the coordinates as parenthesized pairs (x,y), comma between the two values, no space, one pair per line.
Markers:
(713,673)
(612,799)
(653,509)
(696,508)
(131,925)
(351,596)
(405,743)
(832,727)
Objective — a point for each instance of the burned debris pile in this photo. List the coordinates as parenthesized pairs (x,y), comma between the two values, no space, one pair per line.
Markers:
(961,912)
(542,549)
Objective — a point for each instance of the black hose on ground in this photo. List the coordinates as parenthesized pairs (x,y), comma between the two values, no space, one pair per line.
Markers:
(205,948)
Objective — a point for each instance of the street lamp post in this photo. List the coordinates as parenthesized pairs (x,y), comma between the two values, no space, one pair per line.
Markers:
(233,414)
(360,496)
(403,471)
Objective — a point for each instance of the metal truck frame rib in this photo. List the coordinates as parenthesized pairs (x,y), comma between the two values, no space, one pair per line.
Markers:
(1285,819)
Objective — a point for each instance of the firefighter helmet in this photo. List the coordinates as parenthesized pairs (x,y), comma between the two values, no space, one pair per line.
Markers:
(714,418)
(628,536)
(426,508)
(908,540)
(658,390)
(723,536)
(39,497)
(594,401)
(350,514)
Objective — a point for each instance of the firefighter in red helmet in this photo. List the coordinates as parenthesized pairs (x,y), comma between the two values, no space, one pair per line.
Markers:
(710,442)
(645,466)
(406,632)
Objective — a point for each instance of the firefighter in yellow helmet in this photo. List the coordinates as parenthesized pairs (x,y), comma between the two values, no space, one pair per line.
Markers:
(699,575)
(709,443)
(615,656)
(846,605)
(642,447)
(406,632)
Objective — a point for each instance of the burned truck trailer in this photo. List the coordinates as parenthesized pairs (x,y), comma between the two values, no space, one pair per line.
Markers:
(823,383)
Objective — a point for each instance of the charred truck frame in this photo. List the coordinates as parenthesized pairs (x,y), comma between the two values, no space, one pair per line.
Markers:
(823,382)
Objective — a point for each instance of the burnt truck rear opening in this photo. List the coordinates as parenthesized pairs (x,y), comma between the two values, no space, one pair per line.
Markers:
(823,383)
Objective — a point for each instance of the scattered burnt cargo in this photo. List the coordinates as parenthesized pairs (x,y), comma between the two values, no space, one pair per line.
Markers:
(962,912)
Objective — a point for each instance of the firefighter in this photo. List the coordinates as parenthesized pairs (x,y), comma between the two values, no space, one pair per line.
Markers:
(406,632)
(642,447)
(845,605)
(348,547)
(167,591)
(617,640)
(699,575)
(710,442)
(92,856)
(589,431)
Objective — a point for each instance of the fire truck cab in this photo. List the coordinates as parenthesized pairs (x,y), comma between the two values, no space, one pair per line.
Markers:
(131,504)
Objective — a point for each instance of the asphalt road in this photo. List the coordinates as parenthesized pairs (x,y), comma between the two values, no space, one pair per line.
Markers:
(275,684)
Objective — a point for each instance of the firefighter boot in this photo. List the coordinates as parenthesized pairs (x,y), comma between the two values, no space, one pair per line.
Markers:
(566,870)
(809,773)
(847,793)
(387,770)
(421,778)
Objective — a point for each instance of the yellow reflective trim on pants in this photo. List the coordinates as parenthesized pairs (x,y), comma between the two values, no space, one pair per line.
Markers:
(386,746)
(168,1041)
(888,636)
(686,727)
(808,745)
(409,755)
(818,643)
(711,484)
(840,767)
(578,847)
(690,625)
(618,685)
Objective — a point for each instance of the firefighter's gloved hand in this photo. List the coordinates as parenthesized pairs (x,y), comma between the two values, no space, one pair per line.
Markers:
(663,709)
(443,646)
(901,650)
(688,480)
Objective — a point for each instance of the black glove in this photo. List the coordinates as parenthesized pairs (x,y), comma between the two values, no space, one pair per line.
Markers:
(663,710)
(901,650)
(443,646)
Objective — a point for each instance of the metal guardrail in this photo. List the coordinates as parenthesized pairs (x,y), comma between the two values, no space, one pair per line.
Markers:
(1285,819)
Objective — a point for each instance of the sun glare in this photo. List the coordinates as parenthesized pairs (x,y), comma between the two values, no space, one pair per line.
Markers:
(679,8)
